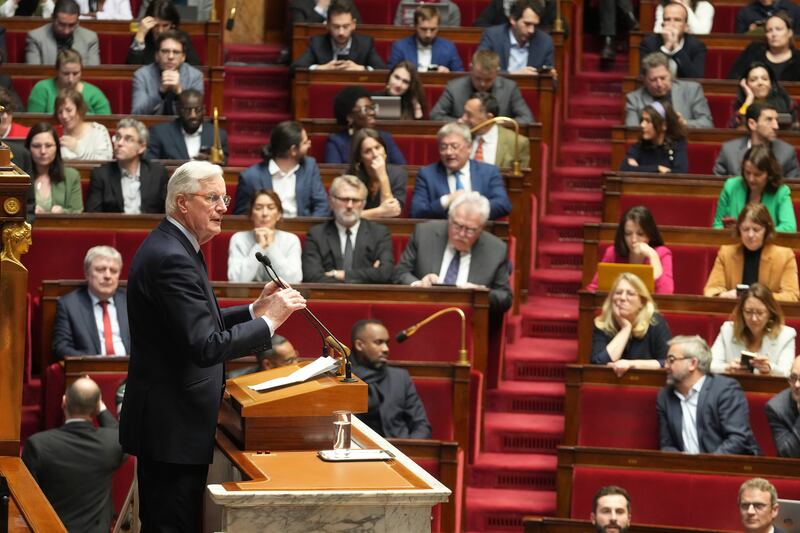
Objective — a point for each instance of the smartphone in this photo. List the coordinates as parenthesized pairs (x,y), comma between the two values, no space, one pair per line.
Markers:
(746,360)
(544,69)
(433,68)
(342,57)
(741,288)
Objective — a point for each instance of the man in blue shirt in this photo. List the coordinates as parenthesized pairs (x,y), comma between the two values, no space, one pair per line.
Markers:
(425,49)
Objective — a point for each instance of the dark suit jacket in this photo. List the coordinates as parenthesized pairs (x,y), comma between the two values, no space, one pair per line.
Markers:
(494,14)
(74,465)
(729,159)
(75,330)
(431,185)
(450,105)
(723,424)
(395,409)
(322,252)
(303,11)
(312,200)
(166,140)
(488,263)
(320,51)
(105,188)
(180,340)
(691,59)
(443,53)
(540,50)
(784,421)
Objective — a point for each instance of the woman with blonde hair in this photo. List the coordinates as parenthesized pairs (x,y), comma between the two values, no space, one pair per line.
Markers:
(629,332)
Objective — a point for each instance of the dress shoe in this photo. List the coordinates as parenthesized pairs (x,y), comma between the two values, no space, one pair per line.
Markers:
(609,50)
(633,22)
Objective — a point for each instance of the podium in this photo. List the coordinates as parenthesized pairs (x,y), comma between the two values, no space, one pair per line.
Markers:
(267,476)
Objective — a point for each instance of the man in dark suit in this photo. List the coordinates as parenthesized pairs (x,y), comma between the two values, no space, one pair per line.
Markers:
(458,252)
(522,49)
(180,342)
(314,11)
(93,320)
(289,171)
(188,136)
(395,409)
(129,184)
(348,249)
(74,464)
(341,48)
(753,16)
(686,53)
(425,49)
(758,506)
(784,416)
(700,412)
(438,184)
(762,125)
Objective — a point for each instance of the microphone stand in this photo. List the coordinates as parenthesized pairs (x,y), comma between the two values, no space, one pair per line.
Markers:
(516,167)
(462,352)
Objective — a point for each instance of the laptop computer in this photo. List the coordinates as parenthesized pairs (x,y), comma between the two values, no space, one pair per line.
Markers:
(788,519)
(387,107)
(607,273)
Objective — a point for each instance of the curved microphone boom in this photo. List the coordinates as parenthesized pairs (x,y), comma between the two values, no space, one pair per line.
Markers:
(409,331)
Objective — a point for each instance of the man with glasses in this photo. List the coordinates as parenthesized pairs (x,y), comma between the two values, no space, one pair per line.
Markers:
(699,412)
(758,506)
(43,44)
(188,136)
(438,184)
(156,86)
(128,184)
(457,252)
(784,416)
(282,353)
(348,249)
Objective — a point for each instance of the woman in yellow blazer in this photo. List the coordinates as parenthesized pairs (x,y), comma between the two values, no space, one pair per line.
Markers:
(754,259)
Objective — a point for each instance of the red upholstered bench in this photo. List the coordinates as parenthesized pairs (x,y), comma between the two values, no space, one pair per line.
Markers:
(382,11)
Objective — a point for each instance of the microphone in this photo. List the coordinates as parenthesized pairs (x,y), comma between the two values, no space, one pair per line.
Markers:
(231,18)
(404,334)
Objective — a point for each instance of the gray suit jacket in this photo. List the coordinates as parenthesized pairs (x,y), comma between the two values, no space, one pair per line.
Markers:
(451,104)
(488,263)
(785,423)
(41,48)
(729,160)
(687,99)
(147,99)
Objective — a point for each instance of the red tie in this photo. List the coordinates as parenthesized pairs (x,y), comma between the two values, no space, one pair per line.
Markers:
(479,152)
(107,338)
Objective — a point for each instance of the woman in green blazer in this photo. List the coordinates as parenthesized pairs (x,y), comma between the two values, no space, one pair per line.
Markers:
(761,182)
(58,189)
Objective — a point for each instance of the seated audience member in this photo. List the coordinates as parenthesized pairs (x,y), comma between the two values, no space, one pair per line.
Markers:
(129,184)
(784,416)
(289,171)
(188,136)
(394,407)
(687,97)
(458,252)
(757,327)
(93,320)
(754,259)
(281,354)
(611,509)
(492,143)
(5,80)
(8,128)
(686,53)
(497,12)
(404,82)
(57,188)
(425,49)
(521,49)
(68,76)
(43,44)
(762,127)
(348,249)
(80,139)
(758,506)
(282,248)
(340,48)
(778,52)
(721,424)
(753,16)
(448,11)
(386,183)
(438,184)
(662,143)
(700,17)
(160,16)
(482,77)
(761,182)
(74,464)
(760,86)
(314,11)
(638,241)
(629,332)
(202,8)
(157,86)
(353,108)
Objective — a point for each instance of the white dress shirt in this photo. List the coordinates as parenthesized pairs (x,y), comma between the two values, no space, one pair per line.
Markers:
(451,183)
(517,55)
(490,139)
(192,141)
(285,186)
(424,57)
(131,191)
(463,265)
(119,346)
(691,442)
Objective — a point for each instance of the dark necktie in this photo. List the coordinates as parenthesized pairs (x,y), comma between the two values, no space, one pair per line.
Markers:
(451,275)
(348,250)
(108,339)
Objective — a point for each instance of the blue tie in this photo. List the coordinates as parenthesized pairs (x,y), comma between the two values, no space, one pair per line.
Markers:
(457,176)
(451,275)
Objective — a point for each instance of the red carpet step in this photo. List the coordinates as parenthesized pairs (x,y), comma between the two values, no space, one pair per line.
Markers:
(574,178)
(594,106)
(516,433)
(558,282)
(560,254)
(589,129)
(538,358)
(550,317)
(588,154)
(597,83)
(563,227)
(267,53)
(526,397)
(499,510)
(520,471)
(576,203)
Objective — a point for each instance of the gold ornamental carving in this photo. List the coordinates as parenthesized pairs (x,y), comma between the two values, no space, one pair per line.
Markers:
(16,242)
(12,206)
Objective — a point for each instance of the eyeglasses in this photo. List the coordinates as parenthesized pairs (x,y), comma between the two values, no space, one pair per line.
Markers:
(366,109)
(758,506)
(170,52)
(466,230)
(128,139)
(345,200)
(792,378)
(214,198)
(451,146)
(754,313)
(671,359)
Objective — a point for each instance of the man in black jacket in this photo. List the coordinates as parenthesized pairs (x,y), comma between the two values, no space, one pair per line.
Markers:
(686,53)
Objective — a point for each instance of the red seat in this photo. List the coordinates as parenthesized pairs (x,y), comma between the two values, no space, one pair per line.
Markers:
(633,407)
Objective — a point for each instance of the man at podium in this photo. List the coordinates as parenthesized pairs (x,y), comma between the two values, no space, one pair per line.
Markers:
(179,341)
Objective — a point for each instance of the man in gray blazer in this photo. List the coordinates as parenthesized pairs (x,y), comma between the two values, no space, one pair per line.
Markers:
(762,123)
(458,252)
(699,412)
(43,44)
(687,97)
(784,417)
(482,78)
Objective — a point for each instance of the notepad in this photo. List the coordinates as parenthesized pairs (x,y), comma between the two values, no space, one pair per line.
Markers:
(321,365)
